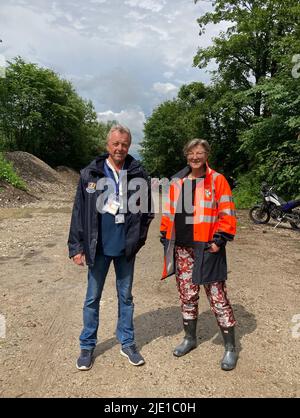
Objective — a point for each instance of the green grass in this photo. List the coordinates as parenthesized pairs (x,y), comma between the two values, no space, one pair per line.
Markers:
(8,174)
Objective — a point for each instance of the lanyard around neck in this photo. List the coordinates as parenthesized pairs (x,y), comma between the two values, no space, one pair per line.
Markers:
(113,174)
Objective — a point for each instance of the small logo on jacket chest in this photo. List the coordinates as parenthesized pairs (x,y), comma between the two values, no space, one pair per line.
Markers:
(91,188)
(207,193)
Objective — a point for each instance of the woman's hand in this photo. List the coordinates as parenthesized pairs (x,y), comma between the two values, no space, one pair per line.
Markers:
(214,248)
(162,238)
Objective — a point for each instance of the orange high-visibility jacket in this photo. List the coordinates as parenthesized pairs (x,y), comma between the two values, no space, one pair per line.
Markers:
(214,213)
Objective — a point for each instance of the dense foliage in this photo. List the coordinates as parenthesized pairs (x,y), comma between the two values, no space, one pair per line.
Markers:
(251,112)
(42,114)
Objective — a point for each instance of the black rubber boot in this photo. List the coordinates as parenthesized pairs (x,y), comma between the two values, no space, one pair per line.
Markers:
(230,356)
(189,341)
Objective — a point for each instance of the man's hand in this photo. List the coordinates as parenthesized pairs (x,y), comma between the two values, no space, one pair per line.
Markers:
(79,259)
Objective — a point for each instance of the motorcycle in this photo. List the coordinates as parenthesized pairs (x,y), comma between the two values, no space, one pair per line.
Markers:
(273,206)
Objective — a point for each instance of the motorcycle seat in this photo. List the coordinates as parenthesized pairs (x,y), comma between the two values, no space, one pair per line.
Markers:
(290,205)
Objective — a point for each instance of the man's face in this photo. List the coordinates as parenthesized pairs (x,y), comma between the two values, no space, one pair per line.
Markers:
(118,146)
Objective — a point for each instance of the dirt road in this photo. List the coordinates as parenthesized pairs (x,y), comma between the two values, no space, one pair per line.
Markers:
(41,296)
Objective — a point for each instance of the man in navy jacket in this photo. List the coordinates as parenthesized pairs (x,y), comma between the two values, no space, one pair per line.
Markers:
(109,224)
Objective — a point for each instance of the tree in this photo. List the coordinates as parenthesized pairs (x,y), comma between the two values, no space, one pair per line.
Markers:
(198,112)
(163,137)
(273,143)
(42,114)
(170,126)
(254,58)
(250,113)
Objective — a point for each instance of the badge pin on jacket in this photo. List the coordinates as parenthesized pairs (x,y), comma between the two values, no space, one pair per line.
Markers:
(91,188)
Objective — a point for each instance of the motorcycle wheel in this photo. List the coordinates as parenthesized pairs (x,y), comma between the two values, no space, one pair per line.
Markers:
(259,215)
(296,223)
(294,226)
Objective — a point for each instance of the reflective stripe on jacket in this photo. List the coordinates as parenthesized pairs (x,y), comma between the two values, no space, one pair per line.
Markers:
(214,213)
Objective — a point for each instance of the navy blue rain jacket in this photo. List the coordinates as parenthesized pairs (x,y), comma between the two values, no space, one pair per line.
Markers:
(83,236)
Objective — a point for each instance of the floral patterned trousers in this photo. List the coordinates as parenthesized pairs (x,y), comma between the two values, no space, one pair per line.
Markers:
(216,292)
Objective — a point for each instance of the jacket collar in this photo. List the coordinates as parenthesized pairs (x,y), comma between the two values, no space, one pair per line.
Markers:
(132,165)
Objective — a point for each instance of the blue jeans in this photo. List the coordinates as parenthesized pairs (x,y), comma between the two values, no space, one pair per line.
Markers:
(96,278)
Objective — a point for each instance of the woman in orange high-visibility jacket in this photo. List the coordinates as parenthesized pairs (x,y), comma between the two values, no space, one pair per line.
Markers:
(198,221)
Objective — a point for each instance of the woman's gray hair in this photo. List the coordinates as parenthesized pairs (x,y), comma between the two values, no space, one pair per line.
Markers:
(120,128)
(194,143)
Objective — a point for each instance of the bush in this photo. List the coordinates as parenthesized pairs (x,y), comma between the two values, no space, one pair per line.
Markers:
(8,174)
(246,193)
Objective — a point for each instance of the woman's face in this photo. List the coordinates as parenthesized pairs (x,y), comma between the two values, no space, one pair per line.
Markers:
(197,157)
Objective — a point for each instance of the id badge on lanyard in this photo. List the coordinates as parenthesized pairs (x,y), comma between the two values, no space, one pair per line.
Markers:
(112,205)
(120,218)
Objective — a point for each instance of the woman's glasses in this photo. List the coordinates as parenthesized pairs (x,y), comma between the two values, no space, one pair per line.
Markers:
(197,155)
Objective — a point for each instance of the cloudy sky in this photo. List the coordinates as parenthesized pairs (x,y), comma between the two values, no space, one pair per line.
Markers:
(127,56)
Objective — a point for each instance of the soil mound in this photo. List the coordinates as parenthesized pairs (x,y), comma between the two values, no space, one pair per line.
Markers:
(43,182)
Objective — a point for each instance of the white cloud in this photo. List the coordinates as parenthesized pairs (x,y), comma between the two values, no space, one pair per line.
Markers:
(153,5)
(168,74)
(135,15)
(2,61)
(165,88)
(162,34)
(103,28)
(134,119)
(127,56)
(133,38)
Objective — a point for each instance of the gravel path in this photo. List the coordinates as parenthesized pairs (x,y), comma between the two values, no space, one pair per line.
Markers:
(41,296)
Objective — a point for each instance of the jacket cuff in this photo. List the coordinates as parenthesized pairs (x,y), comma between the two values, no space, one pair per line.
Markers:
(75,252)
(220,240)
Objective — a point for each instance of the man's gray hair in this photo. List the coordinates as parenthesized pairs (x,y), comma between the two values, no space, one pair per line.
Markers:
(194,143)
(120,128)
